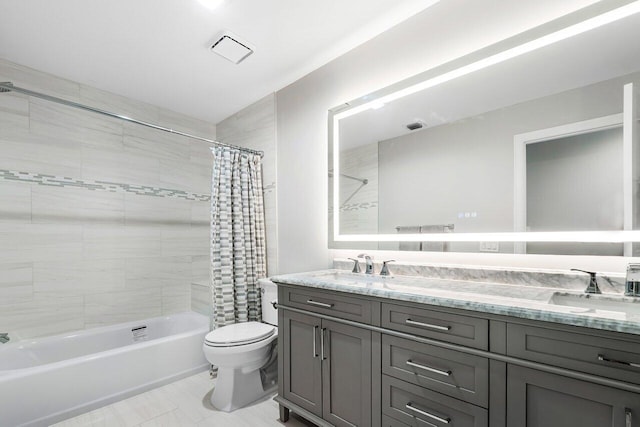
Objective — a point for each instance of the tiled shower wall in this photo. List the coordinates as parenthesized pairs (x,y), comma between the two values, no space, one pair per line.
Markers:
(358,201)
(101,221)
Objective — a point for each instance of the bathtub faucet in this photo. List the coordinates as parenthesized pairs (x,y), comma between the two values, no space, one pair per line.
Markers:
(4,337)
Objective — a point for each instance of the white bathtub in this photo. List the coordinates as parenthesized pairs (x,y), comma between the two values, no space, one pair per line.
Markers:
(48,379)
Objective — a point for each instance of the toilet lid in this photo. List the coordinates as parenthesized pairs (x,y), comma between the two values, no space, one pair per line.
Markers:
(239,334)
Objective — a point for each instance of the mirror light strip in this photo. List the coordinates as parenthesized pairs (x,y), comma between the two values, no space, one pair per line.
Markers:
(551,236)
(565,33)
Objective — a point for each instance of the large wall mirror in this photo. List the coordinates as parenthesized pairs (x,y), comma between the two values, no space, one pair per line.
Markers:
(527,146)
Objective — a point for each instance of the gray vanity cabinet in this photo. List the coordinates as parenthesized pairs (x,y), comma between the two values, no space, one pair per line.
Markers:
(346,375)
(348,360)
(536,399)
(326,368)
(302,378)
(541,399)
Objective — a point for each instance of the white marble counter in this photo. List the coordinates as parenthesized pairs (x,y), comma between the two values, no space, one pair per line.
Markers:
(529,302)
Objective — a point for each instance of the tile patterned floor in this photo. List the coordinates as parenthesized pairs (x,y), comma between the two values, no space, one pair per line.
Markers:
(184,403)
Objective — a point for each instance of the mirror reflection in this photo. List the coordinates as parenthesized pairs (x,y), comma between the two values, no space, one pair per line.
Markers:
(534,143)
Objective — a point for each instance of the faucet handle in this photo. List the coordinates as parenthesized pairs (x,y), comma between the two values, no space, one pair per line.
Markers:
(384,271)
(356,265)
(593,282)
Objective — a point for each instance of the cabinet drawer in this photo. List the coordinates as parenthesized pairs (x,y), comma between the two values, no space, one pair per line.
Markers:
(453,373)
(454,328)
(392,422)
(344,307)
(415,405)
(597,355)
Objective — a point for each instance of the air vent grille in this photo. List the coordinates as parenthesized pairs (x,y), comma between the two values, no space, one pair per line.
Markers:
(231,47)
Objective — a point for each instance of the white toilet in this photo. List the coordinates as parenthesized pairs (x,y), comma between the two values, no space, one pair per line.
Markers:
(240,351)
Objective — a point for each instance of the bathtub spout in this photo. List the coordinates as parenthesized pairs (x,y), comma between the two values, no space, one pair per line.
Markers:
(4,337)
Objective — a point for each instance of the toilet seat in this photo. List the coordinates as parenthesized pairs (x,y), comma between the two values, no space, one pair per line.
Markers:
(239,334)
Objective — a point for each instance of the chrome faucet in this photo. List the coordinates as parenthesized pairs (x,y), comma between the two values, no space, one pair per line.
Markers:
(356,265)
(368,263)
(592,288)
(384,271)
(4,337)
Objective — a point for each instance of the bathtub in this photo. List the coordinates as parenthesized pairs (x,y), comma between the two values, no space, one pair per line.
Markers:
(45,380)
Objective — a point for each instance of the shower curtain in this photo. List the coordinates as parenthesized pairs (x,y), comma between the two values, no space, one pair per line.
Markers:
(238,253)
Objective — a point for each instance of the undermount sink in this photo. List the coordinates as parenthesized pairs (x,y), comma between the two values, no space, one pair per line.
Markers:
(597,303)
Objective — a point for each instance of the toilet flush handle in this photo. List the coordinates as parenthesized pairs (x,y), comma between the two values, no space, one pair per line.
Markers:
(274,303)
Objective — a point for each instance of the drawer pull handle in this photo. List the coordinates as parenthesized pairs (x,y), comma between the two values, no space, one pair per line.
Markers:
(427,368)
(627,417)
(315,351)
(427,325)
(319,304)
(619,362)
(427,414)
(322,331)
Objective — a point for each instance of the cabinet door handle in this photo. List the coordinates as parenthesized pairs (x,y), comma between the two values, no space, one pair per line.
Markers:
(427,414)
(427,368)
(319,304)
(427,325)
(315,351)
(322,343)
(619,362)
(627,418)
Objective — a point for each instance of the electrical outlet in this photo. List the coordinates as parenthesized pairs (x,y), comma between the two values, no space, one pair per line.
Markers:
(489,246)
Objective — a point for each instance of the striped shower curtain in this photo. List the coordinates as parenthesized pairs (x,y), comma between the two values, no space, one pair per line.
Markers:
(238,252)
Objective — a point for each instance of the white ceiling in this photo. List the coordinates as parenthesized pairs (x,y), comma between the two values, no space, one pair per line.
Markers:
(157,50)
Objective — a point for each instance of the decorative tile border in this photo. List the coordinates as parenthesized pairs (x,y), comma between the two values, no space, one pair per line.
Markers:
(356,206)
(113,187)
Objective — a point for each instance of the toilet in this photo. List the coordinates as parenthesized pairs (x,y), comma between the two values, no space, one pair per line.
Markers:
(245,356)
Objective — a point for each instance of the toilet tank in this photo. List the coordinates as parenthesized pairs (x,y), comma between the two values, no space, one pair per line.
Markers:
(269,292)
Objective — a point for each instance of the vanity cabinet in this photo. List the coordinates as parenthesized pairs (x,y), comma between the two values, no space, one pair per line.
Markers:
(536,399)
(452,373)
(608,355)
(327,365)
(426,384)
(422,321)
(357,360)
(542,399)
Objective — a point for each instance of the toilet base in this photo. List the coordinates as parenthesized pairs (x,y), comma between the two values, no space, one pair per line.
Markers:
(235,389)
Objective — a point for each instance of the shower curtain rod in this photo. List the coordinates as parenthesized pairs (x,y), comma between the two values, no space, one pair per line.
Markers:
(9,87)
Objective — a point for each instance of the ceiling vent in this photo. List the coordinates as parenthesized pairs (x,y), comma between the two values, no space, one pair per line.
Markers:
(231,47)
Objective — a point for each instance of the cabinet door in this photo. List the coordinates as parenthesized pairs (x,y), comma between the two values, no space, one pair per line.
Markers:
(302,364)
(540,399)
(346,374)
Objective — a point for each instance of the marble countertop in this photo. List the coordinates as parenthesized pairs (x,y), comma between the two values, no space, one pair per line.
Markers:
(528,302)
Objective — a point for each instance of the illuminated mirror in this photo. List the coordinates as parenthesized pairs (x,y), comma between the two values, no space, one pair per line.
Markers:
(486,153)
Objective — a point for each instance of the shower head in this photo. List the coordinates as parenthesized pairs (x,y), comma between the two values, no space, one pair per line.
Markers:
(4,88)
